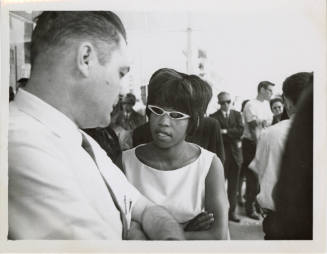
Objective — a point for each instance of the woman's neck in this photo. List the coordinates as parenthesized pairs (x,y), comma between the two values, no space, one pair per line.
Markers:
(170,158)
(170,154)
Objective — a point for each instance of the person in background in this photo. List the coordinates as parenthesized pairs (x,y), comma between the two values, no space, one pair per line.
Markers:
(106,136)
(242,179)
(108,140)
(243,104)
(126,120)
(231,129)
(257,117)
(62,185)
(270,148)
(21,83)
(140,105)
(277,108)
(293,194)
(11,94)
(129,119)
(207,133)
(178,175)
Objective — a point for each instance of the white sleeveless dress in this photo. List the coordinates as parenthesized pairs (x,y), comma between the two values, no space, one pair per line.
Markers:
(180,191)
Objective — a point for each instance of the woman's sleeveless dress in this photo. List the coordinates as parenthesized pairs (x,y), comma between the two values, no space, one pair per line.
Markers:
(180,191)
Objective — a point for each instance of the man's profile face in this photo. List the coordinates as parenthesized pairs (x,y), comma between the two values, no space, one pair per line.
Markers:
(224,100)
(106,83)
(267,92)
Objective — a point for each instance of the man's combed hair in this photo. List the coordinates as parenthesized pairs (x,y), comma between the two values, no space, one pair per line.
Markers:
(55,29)
(264,84)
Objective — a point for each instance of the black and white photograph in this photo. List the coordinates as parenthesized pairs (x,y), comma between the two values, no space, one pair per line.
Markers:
(160,125)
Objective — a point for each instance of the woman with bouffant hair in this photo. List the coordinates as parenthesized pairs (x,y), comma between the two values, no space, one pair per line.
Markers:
(181,176)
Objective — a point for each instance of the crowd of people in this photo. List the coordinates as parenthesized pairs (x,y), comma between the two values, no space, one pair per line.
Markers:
(82,166)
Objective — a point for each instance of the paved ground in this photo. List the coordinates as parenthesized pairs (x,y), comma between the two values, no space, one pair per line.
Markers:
(247,229)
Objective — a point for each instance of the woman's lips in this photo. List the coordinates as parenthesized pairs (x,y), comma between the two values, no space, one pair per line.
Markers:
(162,134)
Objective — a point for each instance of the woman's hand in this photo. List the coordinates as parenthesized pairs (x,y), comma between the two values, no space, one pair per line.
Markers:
(216,202)
(202,221)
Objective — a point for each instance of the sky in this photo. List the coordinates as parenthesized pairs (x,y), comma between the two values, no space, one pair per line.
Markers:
(245,42)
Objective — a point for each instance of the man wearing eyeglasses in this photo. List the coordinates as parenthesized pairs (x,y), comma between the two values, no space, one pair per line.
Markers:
(231,129)
(257,117)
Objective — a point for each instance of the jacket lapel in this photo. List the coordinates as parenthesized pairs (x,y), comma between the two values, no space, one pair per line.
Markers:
(223,119)
(230,117)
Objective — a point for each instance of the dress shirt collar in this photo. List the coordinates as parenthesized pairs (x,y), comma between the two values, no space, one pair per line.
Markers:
(225,113)
(59,123)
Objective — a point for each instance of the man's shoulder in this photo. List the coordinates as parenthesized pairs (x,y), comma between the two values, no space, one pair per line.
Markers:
(210,122)
(143,128)
(208,127)
(252,101)
(233,111)
(251,110)
(26,131)
(280,126)
(137,114)
(215,114)
(257,103)
(250,104)
(277,131)
(22,122)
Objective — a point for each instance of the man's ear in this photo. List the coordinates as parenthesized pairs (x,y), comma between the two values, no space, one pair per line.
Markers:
(85,57)
(260,90)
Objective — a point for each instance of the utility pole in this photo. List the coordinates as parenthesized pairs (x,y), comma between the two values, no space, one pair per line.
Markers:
(189,62)
(189,50)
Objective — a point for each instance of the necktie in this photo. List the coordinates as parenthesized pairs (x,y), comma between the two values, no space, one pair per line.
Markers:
(88,148)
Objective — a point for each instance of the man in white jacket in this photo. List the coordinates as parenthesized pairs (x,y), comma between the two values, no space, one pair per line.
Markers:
(61,183)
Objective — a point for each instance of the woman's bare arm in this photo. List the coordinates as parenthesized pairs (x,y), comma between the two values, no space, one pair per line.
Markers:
(216,202)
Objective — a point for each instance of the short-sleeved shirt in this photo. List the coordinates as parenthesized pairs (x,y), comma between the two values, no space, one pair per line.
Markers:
(56,190)
(259,111)
(267,160)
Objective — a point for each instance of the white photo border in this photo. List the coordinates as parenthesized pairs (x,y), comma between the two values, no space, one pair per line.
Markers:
(318,244)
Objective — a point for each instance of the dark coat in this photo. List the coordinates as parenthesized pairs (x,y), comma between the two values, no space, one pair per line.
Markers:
(134,120)
(235,127)
(108,140)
